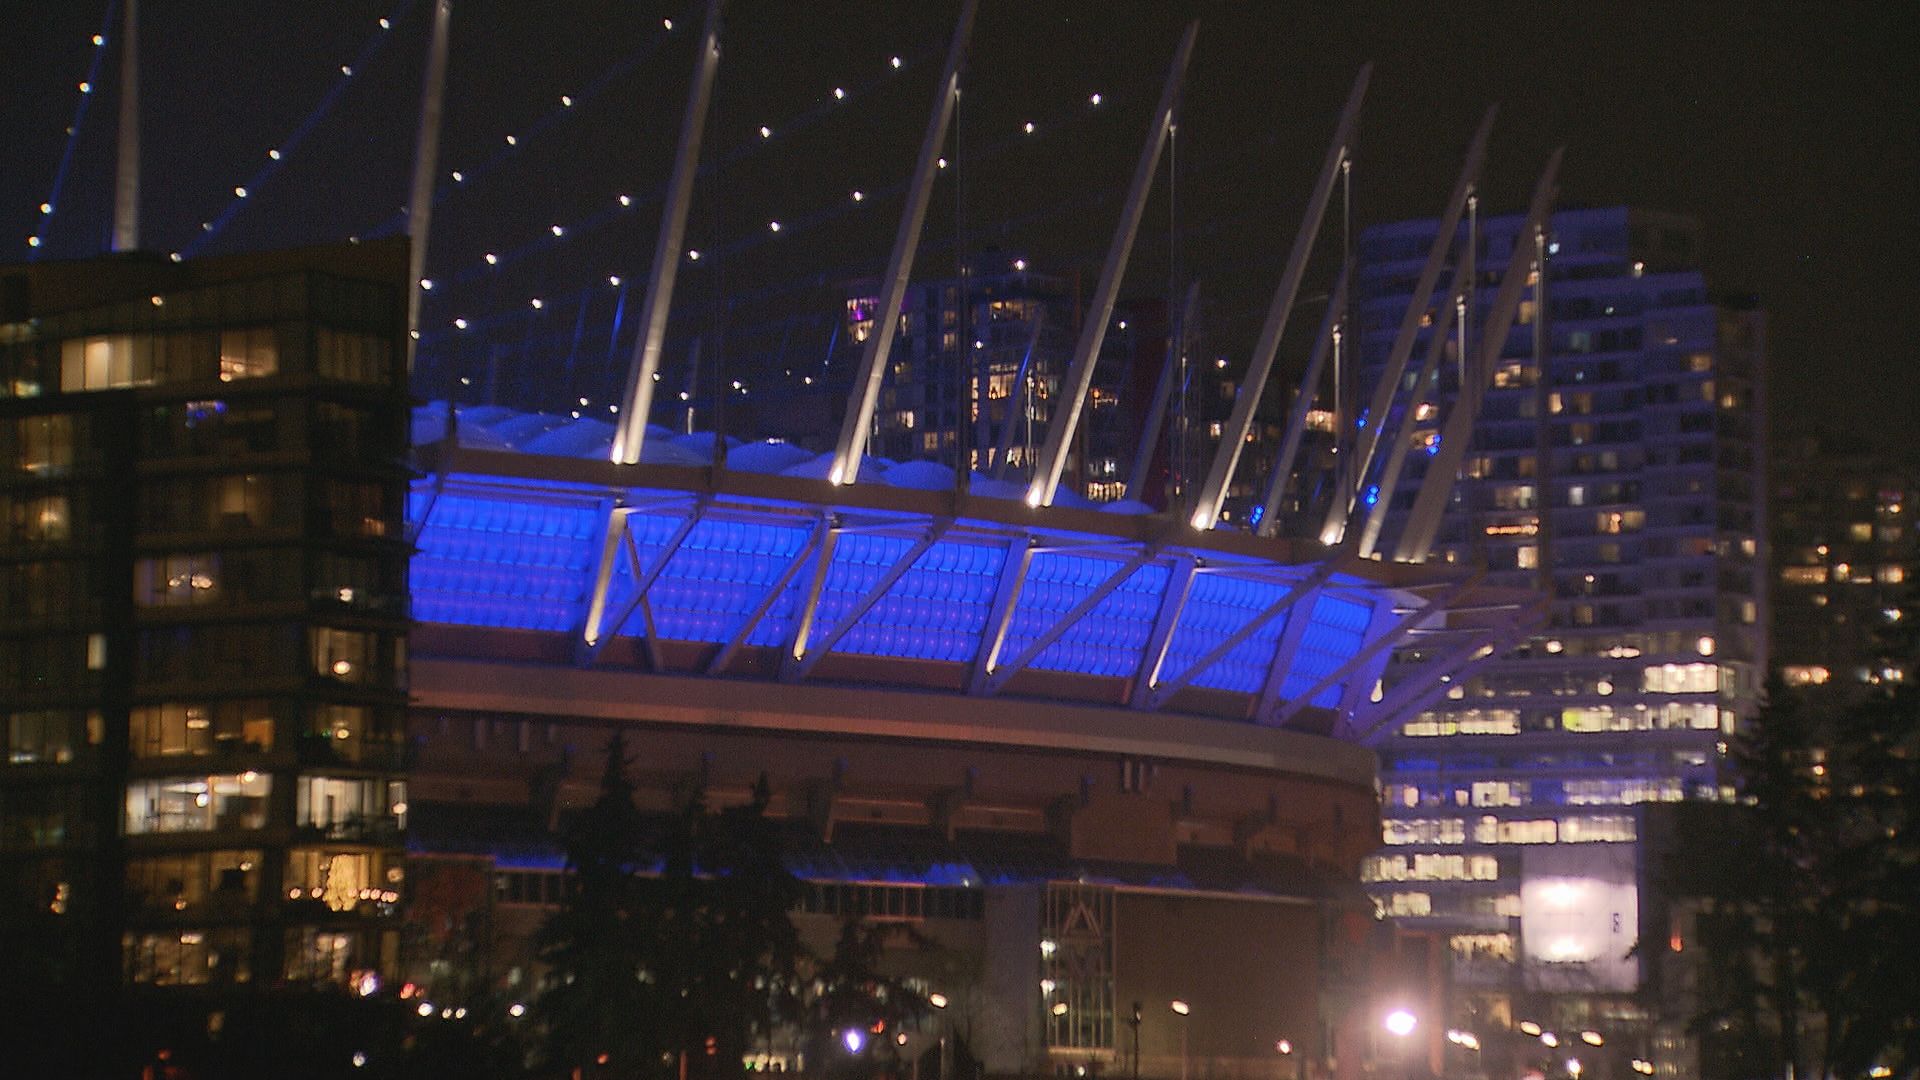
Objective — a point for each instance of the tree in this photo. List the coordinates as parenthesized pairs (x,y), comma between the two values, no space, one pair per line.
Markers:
(674,945)
(1816,918)
(850,994)
(596,945)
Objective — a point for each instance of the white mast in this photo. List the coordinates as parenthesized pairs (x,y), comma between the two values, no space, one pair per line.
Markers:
(126,180)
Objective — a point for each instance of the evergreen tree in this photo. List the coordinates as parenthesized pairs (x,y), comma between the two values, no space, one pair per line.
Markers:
(1818,916)
(596,945)
(850,994)
(653,972)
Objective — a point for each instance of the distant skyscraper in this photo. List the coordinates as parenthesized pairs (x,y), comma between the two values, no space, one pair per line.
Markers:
(1627,488)
(969,379)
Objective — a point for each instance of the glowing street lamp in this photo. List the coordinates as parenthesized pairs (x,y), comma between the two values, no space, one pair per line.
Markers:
(1182,1010)
(853,1039)
(1400,1022)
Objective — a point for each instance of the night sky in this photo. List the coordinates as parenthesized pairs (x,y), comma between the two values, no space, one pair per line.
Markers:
(1787,130)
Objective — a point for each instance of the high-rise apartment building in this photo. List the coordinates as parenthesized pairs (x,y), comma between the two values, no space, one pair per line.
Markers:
(203,618)
(976,368)
(1615,466)
(1844,554)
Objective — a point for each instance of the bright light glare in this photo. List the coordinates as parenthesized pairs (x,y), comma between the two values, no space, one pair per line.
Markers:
(1401,1022)
(1180,1007)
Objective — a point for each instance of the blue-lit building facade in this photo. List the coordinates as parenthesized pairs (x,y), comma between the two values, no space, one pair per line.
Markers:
(1096,756)
(1615,467)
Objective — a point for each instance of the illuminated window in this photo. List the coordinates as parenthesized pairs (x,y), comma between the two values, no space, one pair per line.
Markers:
(1472,948)
(103,363)
(348,808)
(1424,831)
(346,655)
(1430,867)
(189,957)
(1617,829)
(1406,905)
(1499,793)
(1681,678)
(1490,830)
(199,729)
(198,803)
(1804,675)
(180,882)
(342,880)
(1891,575)
(250,354)
(177,580)
(1804,575)
(40,446)
(42,519)
(1860,530)
(45,737)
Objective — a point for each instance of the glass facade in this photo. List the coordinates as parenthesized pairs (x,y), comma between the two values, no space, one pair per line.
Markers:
(1613,468)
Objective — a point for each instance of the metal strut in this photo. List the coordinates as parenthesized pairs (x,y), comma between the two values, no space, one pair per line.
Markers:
(126,176)
(1016,395)
(1400,440)
(1367,438)
(1073,391)
(1234,437)
(1297,420)
(1423,522)
(636,405)
(1162,391)
(433,87)
(854,427)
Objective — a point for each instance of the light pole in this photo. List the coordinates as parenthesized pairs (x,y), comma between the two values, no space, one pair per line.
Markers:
(1135,1024)
(1181,1009)
(1400,1024)
(939,1001)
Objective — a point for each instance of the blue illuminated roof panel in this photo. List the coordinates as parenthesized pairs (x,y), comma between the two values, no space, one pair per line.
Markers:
(520,553)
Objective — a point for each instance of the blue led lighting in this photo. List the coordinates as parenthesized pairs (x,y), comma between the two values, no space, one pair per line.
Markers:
(1109,640)
(522,556)
(1334,634)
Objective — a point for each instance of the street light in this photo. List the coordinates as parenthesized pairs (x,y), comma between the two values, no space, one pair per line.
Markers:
(939,1001)
(1401,1022)
(1135,1024)
(1182,1009)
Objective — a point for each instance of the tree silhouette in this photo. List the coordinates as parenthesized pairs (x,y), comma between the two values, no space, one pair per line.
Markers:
(1813,909)
(652,971)
(850,994)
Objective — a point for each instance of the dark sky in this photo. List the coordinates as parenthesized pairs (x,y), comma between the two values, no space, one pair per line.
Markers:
(1786,129)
